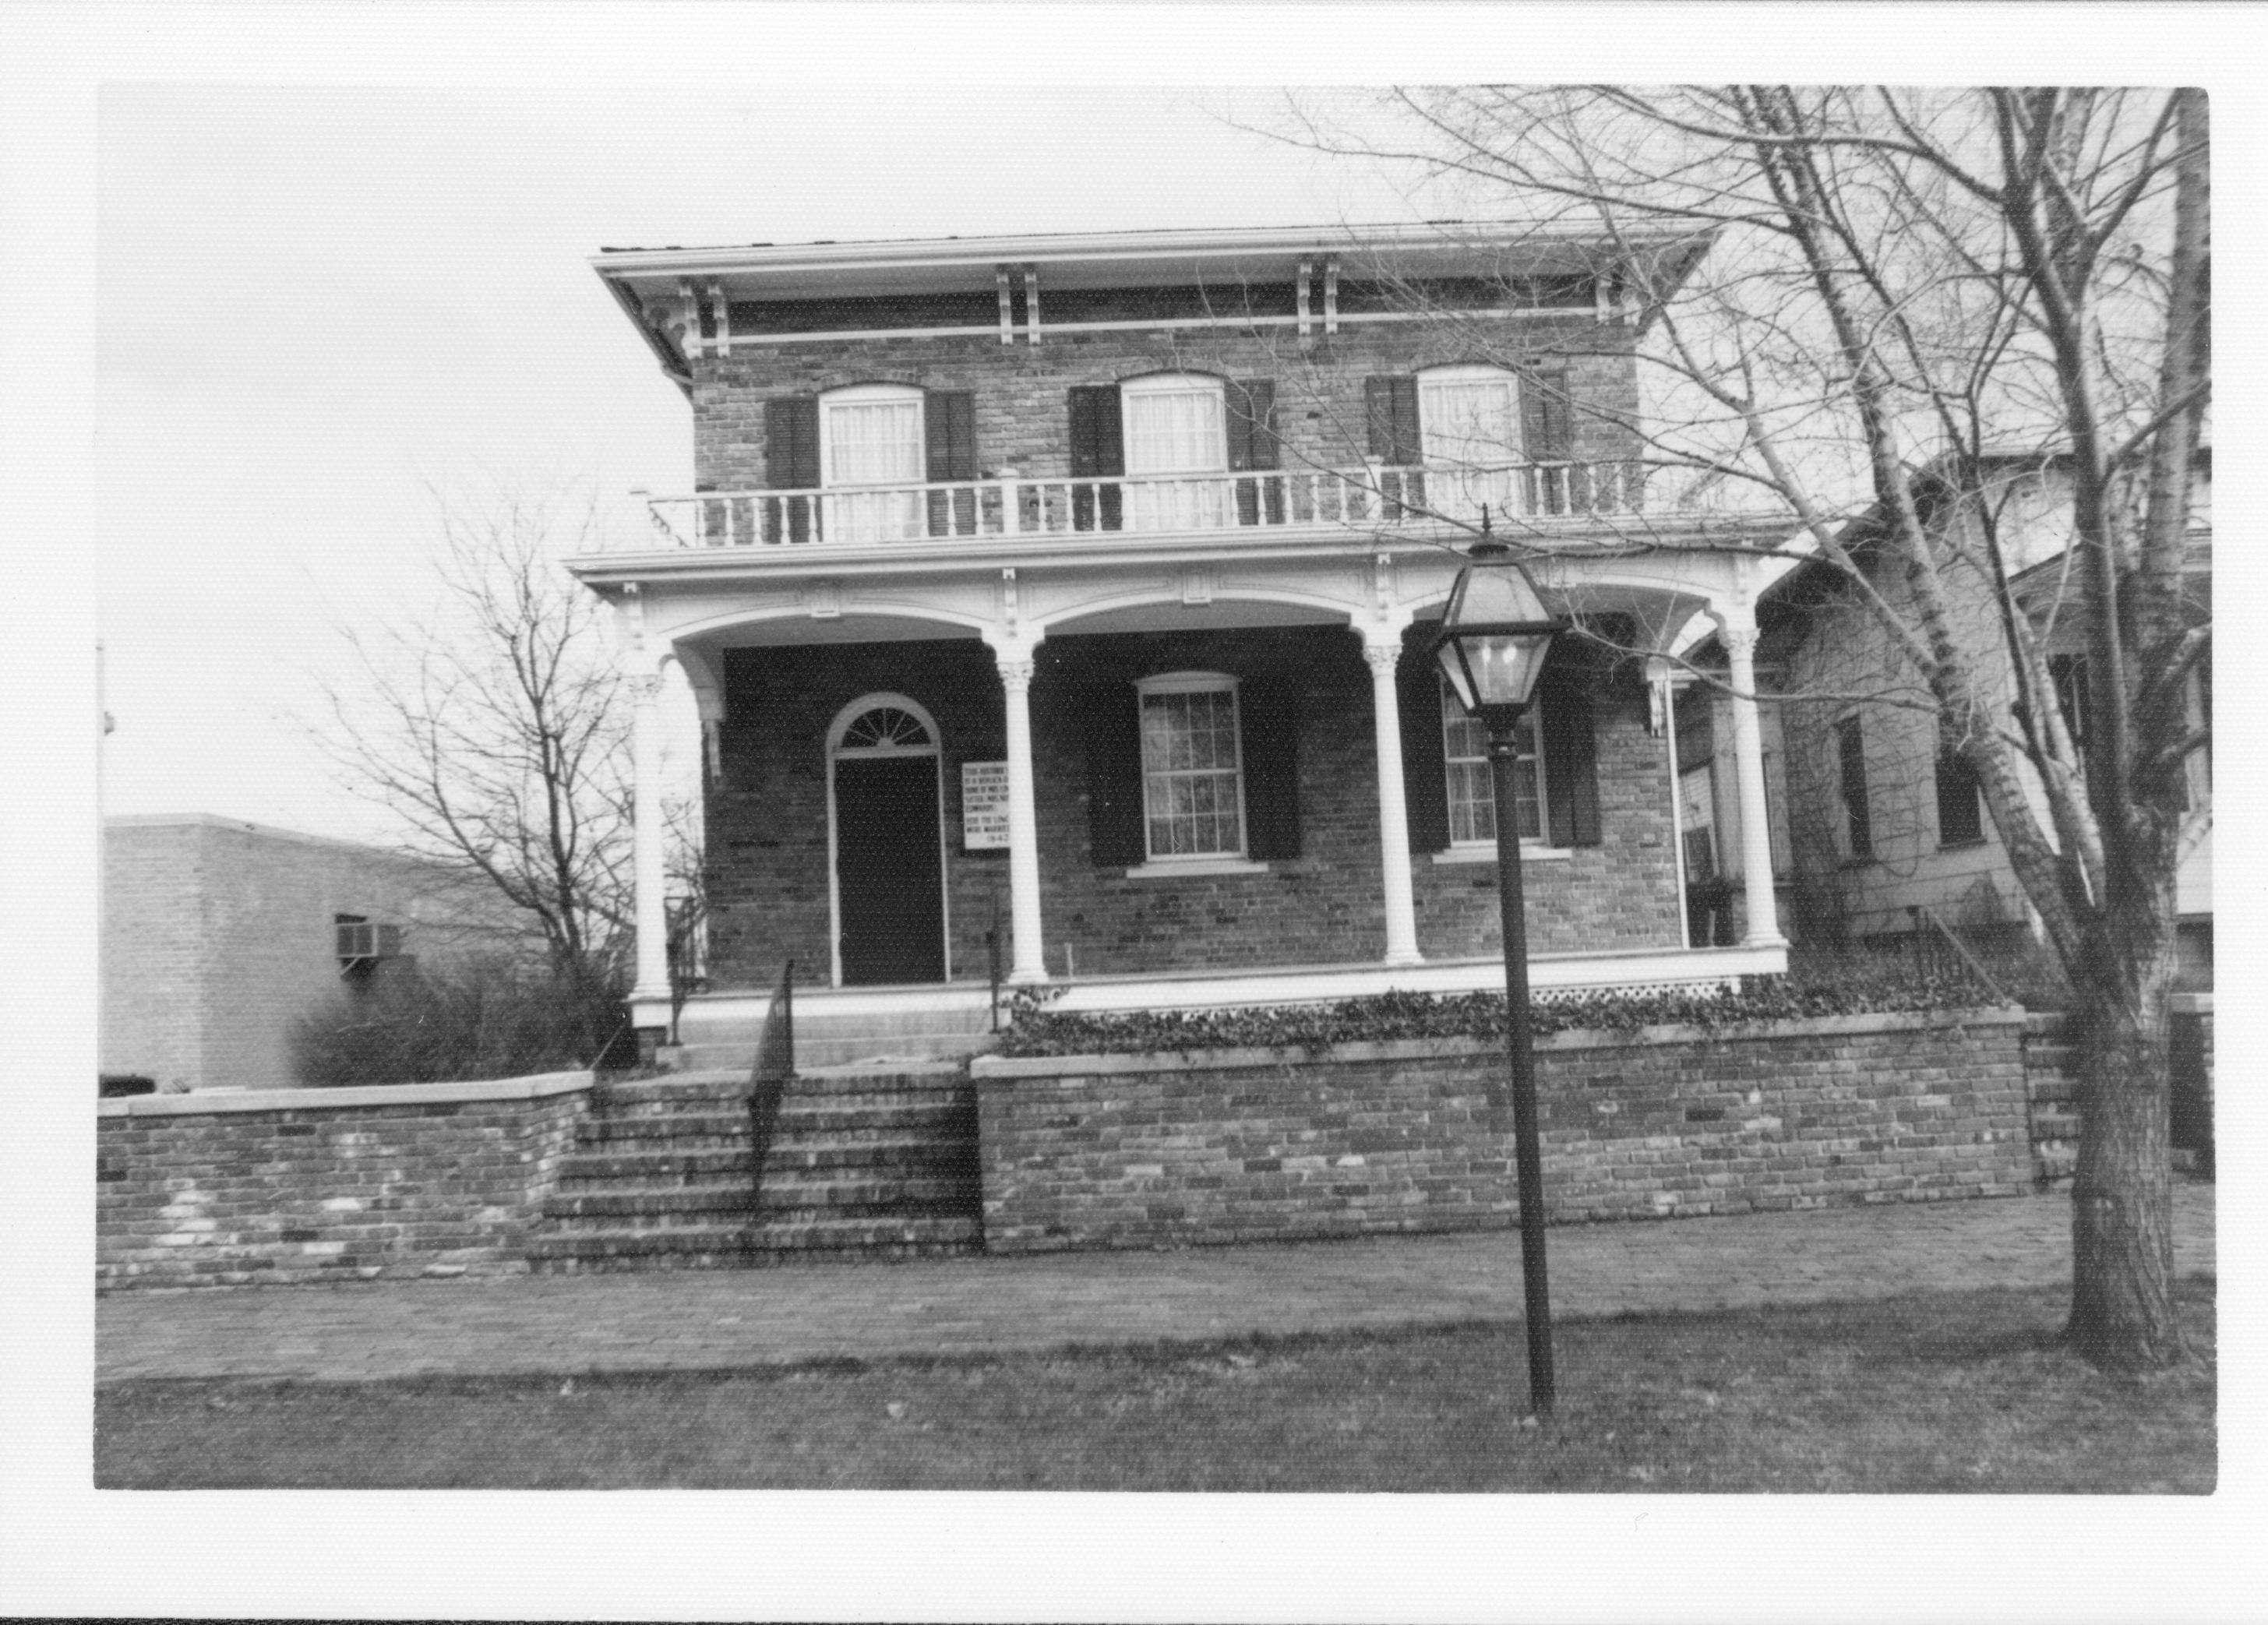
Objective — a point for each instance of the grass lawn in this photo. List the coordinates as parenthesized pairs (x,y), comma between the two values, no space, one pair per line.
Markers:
(1950,1391)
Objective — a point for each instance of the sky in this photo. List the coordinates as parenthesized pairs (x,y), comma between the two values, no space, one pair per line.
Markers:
(321,307)
(274,269)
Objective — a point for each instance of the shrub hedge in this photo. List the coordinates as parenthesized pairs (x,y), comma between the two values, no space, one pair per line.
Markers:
(479,1019)
(1040,1031)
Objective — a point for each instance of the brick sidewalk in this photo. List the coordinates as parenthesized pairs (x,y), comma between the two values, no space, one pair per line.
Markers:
(712,1321)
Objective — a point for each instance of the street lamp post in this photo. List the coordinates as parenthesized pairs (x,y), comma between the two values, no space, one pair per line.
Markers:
(1494,638)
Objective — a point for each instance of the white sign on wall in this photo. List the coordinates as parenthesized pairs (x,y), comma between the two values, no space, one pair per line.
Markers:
(984,805)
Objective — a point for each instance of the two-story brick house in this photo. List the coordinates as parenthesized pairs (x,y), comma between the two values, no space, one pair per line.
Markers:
(1083,585)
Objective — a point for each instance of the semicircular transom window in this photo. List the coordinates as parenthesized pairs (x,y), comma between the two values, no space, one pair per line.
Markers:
(887,727)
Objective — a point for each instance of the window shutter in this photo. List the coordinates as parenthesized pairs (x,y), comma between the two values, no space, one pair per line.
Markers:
(1390,403)
(1098,452)
(790,464)
(1252,446)
(1113,775)
(1571,767)
(1268,723)
(949,430)
(1425,765)
(1546,434)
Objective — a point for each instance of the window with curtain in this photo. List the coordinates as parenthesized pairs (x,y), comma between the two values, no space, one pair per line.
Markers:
(870,435)
(1176,424)
(1472,793)
(1468,422)
(1192,791)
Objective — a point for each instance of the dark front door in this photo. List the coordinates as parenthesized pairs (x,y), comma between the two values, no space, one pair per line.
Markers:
(888,883)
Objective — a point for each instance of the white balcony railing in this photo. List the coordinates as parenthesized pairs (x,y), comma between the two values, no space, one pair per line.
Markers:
(1009,506)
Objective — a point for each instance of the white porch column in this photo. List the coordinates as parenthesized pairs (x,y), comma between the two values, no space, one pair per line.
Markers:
(646,850)
(1030,963)
(1737,626)
(1393,814)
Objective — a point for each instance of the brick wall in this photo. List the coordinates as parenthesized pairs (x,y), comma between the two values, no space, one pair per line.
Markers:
(1246,1145)
(327,1185)
(767,849)
(1022,416)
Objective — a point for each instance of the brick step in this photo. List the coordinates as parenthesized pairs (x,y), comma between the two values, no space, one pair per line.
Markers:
(731,1247)
(2051,1087)
(926,1154)
(2055,1126)
(798,1097)
(812,1050)
(943,1194)
(2045,1024)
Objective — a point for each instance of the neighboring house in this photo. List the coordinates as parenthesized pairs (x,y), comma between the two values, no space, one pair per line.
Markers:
(1888,821)
(1085,583)
(218,935)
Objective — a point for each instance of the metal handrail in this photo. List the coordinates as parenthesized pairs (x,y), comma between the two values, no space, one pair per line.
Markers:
(768,1076)
(1920,911)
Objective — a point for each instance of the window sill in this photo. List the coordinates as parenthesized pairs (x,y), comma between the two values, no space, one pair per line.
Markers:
(1969,845)
(1191,868)
(1487,855)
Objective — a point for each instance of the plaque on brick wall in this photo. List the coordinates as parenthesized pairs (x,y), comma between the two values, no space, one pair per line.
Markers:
(984,805)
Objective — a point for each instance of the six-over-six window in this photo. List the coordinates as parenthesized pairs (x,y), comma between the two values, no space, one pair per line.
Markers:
(1192,800)
(1472,794)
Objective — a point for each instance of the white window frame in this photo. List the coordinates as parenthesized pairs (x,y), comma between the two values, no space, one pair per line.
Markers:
(1192,682)
(878,509)
(1531,754)
(1454,488)
(1157,499)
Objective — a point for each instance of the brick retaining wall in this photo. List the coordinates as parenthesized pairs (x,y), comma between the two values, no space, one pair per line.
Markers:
(1237,1145)
(325,1184)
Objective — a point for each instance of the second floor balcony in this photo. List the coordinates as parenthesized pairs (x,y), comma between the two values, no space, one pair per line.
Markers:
(1555,496)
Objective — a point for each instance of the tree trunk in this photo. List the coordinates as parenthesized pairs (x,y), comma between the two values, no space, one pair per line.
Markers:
(2122,1236)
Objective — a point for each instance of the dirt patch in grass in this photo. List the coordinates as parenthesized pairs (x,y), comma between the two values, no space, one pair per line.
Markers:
(1934,1391)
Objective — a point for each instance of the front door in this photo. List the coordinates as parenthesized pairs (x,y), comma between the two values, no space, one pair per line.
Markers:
(888,875)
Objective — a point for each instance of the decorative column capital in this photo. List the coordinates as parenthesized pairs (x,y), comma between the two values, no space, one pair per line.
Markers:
(1016,675)
(1739,641)
(1384,658)
(646,688)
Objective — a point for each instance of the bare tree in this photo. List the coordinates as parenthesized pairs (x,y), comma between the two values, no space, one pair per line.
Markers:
(1908,294)
(493,729)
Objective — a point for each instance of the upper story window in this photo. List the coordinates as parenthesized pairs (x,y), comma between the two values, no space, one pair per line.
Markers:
(1174,451)
(1471,791)
(1192,779)
(1482,434)
(871,434)
(1174,423)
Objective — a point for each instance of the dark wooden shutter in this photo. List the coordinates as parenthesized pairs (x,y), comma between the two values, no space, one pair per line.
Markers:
(949,430)
(1546,434)
(1390,403)
(1098,452)
(1252,446)
(790,464)
(1268,723)
(1571,765)
(1113,775)
(1424,762)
